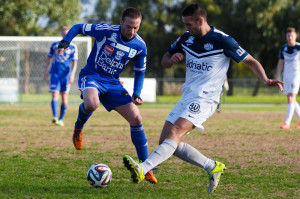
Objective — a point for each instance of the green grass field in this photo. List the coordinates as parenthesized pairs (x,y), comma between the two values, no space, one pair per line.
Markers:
(236,99)
(38,159)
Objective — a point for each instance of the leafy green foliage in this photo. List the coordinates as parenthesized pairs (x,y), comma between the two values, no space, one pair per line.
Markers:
(20,17)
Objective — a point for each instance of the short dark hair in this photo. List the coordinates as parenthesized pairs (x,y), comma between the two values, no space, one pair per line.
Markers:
(290,29)
(131,12)
(195,10)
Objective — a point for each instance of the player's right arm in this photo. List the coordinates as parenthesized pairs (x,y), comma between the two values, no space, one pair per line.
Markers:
(47,64)
(84,29)
(169,60)
(279,68)
(173,55)
(48,60)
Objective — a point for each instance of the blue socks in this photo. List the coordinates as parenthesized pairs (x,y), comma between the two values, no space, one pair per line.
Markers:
(54,107)
(63,110)
(140,141)
(83,116)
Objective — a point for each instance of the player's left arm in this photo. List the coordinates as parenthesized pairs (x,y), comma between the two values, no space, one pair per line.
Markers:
(73,72)
(139,62)
(232,49)
(138,86)
(257,68)
(47,64)
(74,59)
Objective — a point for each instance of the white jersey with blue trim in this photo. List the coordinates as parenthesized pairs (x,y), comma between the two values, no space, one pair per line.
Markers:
(110,53)
(61,63)
(207,62)
(291,57)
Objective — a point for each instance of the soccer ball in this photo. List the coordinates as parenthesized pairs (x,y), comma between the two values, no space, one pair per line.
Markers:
(99,175)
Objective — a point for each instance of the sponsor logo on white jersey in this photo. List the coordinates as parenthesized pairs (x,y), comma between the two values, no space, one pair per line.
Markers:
(193,64)
(208,46)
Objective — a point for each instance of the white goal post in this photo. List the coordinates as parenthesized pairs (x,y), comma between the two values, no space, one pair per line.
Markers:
(22,59)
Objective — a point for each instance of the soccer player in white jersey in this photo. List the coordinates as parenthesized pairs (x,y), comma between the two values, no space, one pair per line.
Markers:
(289,59)
(61,76)
(114,47)
(208,52)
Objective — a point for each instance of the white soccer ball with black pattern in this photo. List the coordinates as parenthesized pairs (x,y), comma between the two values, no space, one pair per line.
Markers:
(99,175)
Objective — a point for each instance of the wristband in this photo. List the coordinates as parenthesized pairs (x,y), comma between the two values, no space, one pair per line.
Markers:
(136,96)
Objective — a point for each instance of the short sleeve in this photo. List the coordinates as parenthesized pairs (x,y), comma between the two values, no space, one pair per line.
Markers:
(234,50)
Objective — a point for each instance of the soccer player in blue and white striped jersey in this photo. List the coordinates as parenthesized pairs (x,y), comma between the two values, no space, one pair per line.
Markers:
(61,76)
(208,52)
(114,47)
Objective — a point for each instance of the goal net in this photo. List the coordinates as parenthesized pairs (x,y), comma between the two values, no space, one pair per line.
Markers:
(22,61)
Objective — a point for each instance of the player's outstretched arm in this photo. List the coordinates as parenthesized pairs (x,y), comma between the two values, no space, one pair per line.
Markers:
(257,68)
(65,42)
(271,82)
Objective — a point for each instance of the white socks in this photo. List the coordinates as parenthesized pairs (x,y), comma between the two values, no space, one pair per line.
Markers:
(297,110)
(189,154)
(289,113)
(184,151)
(159,155)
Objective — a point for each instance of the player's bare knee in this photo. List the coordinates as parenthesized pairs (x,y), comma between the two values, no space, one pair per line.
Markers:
(173,132)
(91,107)
(136,120)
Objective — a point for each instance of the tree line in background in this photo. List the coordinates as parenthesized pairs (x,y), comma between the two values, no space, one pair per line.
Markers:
(258,25)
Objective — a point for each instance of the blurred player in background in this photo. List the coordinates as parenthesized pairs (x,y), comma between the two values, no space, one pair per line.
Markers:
(289,59)
(114,47)
(61,76)
(208,52)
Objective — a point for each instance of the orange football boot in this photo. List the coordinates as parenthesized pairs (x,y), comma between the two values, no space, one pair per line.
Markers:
(285,126)
(77,139)
(150,177)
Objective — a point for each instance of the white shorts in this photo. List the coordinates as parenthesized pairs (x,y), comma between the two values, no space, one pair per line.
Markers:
(197,111)
(291,85)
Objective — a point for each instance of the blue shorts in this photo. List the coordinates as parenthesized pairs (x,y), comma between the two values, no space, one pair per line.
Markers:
(59,83)
(111,94)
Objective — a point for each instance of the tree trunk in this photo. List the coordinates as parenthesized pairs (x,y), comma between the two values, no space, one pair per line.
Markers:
(256,88)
